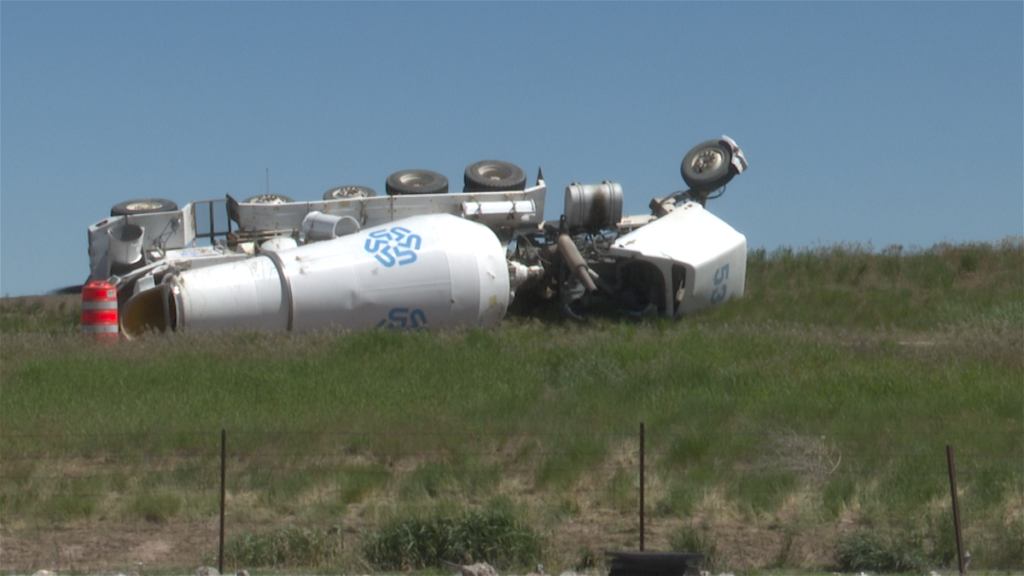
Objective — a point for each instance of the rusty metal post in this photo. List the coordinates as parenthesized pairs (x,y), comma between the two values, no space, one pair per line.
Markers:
(223,492)
(956,510)
(641,486)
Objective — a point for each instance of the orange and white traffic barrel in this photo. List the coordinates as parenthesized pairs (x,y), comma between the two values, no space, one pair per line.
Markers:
(99,310)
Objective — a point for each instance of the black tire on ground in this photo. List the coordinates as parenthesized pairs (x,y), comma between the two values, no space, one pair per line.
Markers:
(349,192)
(268,199)
(416,182)
(654,563)
(494,176)
(143,206)
(707,166)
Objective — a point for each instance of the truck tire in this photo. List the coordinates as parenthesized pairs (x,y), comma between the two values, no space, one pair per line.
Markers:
(143,206)
(707,166)
(268,199)
(494,176)
(654,563)
(349,192)
(416,182)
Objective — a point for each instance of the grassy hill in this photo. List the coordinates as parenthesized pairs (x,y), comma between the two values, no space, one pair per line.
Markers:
(803,426)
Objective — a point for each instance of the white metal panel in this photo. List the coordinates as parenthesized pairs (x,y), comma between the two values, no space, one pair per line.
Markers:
(712,252)
(504,213)
(163,231)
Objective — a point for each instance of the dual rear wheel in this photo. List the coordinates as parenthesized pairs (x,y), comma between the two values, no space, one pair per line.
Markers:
(483,176)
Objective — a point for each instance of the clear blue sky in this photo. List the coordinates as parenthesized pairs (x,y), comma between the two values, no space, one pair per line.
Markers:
(876,122)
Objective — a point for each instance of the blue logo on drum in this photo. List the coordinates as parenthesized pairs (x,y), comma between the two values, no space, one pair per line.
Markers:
(393,246)
(404,318)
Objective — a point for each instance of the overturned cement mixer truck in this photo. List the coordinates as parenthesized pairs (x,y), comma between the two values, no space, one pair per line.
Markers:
(420,257)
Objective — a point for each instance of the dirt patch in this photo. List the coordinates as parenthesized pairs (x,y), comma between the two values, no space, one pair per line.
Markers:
(110,545)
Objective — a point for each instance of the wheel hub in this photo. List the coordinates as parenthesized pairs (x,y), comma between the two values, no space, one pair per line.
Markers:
(138,206)
(493,172)
(707,160)
(414,180)
(266,199)
(349,192)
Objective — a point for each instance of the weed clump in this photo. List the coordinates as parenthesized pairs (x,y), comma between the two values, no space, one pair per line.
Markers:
(697,541)
(156,508)
(869,551)
(415,543)
(286,548)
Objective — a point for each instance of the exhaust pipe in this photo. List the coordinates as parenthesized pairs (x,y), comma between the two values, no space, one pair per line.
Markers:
(567,248)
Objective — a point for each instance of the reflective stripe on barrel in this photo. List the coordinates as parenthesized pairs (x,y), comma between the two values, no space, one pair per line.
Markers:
(99,309)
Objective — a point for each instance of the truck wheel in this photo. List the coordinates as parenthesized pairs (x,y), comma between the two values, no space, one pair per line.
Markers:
(494,176)
(143,206)
(416,182)
(706,167)
(268,199)
(349,192)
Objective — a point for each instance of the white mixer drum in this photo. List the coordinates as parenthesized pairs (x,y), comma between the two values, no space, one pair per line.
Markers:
(432,271)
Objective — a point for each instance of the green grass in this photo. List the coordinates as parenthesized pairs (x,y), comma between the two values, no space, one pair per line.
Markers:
(434,480)
(764,492)
(156,507)
(494,536)
(842,374)
(284,548)
(22,315)
(697,540)
(871,551)
(71,499)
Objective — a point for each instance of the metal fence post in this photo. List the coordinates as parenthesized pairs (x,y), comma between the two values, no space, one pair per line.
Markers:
(642,486)
(956,510)
(223,492)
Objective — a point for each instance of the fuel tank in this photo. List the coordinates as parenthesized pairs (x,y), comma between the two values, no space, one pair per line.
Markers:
(425,272)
